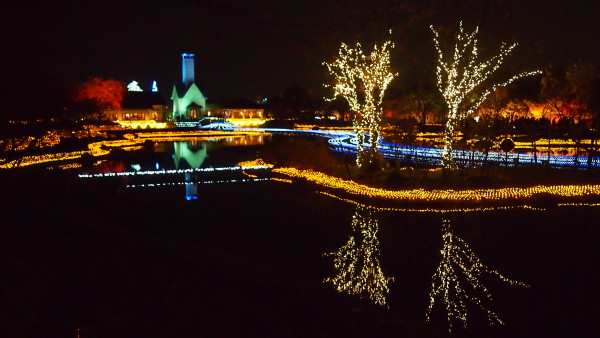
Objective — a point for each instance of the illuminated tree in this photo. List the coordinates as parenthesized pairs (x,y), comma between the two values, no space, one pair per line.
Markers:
(100,94)
(357,263)
(459,78)
(456,281)
(362,80)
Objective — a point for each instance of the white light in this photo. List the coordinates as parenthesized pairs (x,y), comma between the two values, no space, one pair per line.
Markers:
(134,87)
(459,77)
(362,80)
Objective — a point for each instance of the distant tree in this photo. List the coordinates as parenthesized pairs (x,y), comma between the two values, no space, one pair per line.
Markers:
(569,94)
(98,94)
(423,101)
(297,102)
(340,105)
(516,109)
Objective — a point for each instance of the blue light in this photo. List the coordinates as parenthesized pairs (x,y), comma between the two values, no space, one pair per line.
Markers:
(154,87)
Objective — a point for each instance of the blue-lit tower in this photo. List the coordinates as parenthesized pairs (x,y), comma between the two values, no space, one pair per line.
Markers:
(187,68)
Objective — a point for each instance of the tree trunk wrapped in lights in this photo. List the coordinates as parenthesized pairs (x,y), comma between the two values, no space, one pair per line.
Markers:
(459,78)
(456,281)
(357,263)
(362,80)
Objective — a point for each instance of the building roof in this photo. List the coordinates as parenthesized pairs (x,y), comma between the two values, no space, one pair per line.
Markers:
(143,100)
(182,88)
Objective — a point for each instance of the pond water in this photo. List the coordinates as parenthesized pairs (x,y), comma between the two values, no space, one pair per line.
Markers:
(222,255)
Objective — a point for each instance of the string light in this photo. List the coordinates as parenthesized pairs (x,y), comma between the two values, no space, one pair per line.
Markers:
(456,281)
(357,262)
(433,156)
(187,183)
(362,80)
(458,78)
(443,210)
(246,166)
(467,195)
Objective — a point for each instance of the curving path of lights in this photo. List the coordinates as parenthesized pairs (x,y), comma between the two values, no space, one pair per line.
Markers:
(414,195)
(342,141)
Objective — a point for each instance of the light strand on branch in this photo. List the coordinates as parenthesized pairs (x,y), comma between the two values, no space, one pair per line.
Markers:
(357,262)
(456,281)
(362,80)
(458,79)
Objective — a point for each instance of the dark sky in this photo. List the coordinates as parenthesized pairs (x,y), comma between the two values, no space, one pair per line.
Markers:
(257,48)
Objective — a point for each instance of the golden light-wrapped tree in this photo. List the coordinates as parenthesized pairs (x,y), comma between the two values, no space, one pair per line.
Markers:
(459,78)
(362,80)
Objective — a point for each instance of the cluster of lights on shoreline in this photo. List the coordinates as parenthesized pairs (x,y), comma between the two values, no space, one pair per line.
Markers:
(49,139)
(130,143)
(339,140)
(347,144)
(456,281)
(362,80)
(357,262)
(458,79)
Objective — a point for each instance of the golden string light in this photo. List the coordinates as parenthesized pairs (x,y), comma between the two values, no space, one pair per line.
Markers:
(255,163)
(131,142)
(456,281)
(357,262)
(362,80)
(458,78)
(468,195)
(445,210)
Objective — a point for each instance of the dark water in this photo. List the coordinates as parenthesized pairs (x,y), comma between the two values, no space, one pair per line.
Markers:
(100,259)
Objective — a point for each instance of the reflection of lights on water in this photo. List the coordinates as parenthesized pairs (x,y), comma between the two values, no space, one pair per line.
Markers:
(357,263)
(456,282)
(168,184)
(172,171)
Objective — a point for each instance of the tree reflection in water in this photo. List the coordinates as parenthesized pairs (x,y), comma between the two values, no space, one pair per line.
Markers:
(357,263)
(456,281)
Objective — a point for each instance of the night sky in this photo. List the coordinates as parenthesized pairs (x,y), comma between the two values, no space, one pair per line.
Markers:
(251,49)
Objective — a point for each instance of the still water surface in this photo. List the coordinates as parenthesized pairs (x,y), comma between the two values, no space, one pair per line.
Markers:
(212,257)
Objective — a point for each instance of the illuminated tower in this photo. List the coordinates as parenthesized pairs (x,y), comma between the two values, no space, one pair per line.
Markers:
(189,104)
(187,68)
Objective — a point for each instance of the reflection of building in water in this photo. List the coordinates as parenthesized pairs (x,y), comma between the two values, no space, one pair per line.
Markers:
(193,158)
(357,263)
(246,140)
(191,188)
(456,281)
